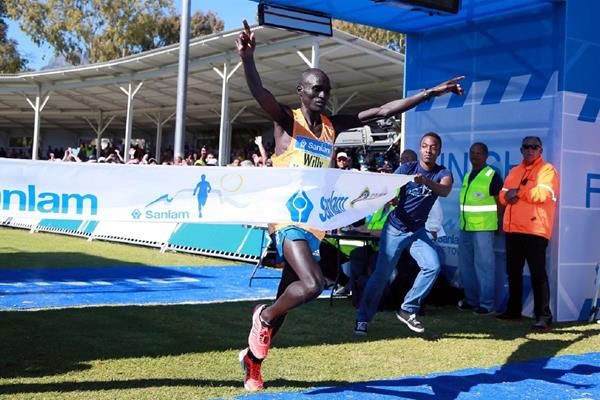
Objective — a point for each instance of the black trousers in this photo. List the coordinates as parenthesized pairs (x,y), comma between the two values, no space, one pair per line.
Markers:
(521,247)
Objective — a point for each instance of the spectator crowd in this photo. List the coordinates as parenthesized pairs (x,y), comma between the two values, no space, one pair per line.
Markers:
(254,155)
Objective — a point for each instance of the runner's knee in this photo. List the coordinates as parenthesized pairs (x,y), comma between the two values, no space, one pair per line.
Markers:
(314,286)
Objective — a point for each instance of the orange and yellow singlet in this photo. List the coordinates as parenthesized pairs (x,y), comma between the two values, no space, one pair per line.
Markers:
(306,150)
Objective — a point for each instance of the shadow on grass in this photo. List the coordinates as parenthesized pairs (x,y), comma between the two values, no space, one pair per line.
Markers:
(91,386)
(448,387)
(14,258)
(51,342)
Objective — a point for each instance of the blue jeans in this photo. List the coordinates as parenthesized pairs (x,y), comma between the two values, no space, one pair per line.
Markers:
(476,265)
(391,245)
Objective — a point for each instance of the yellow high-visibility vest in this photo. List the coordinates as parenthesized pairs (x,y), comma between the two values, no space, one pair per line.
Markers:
(478,209)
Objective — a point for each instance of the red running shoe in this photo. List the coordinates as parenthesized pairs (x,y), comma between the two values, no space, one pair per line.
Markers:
(259,339)
(253,380)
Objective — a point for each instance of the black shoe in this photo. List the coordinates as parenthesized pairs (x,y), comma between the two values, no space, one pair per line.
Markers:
(410,320)
(509,317)
(360,328)
(541,325)
(463,305)
(483,311)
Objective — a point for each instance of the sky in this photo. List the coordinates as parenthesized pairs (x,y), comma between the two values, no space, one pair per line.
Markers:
(232,12)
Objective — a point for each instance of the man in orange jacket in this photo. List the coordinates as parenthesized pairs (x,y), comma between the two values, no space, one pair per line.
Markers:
(529,194)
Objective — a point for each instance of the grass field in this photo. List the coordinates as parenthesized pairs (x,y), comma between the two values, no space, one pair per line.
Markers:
(190,351)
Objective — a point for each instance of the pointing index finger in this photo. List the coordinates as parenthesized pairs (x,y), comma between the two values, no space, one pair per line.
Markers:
(247,28)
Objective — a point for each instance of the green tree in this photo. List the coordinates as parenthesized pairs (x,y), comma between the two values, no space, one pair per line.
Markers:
(10,59)
(393,40)
(104,30)
(200,24)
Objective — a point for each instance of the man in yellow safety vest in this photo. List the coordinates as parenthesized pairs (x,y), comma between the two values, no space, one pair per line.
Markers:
(478,224)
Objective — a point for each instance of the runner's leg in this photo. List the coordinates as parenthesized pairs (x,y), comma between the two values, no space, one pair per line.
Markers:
(309,285)
(288,277)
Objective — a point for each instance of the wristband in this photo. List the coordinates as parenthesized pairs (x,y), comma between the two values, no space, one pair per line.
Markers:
(426,94)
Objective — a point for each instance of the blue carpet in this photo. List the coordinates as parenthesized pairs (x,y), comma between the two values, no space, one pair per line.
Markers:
(76,287)
(557,378)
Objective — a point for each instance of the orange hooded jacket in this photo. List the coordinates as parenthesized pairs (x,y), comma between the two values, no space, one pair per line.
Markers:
(538,186)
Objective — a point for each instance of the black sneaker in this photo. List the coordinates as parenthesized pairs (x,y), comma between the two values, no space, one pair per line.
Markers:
(463,305)
(360,328)
(541,325)
(410,320)
(483,311)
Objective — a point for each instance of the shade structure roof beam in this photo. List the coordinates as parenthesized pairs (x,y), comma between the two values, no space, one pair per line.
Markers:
(279,65)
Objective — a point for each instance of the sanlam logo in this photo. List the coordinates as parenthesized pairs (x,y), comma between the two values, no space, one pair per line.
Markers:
(332,206)
(30,200)
(299,206)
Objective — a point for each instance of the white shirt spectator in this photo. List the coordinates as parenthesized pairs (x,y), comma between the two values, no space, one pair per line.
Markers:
(435,220)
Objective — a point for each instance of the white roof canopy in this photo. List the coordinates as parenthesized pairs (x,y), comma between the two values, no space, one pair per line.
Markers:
(362,72)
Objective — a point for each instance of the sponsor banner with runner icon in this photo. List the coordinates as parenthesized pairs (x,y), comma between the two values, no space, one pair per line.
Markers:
(322,198)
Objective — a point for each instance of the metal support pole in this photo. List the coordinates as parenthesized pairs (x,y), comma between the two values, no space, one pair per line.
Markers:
(128,125)
(224,139)
(184,42)
(315,54)
(130,92)
(404,93)
(37,110)
(36,128)
(159,126)
(99,130)
(225,126)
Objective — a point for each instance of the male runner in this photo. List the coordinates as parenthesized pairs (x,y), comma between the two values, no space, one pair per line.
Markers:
(298,245)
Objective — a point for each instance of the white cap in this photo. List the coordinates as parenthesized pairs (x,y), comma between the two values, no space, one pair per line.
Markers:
(341,154)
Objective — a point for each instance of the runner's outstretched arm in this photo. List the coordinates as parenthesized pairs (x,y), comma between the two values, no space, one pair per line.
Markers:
(343,122)
(402,105)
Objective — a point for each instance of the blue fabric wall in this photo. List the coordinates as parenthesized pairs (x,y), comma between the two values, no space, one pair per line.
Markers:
(513,71)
